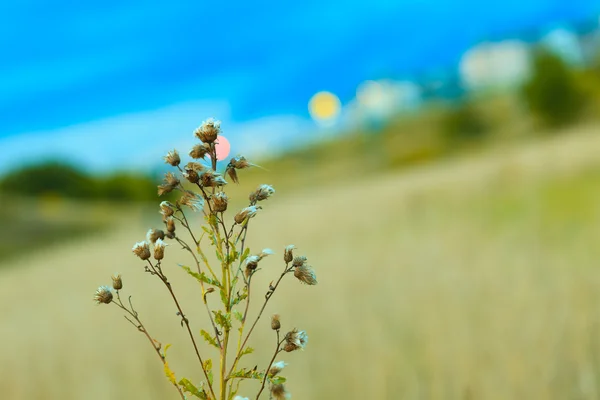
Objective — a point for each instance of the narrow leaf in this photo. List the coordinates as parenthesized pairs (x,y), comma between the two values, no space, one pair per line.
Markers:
(201,277)
(209,339)
(190,388)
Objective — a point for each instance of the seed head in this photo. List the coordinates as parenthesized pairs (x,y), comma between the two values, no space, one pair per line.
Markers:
(295,340)
(164,189)
(154,234)
(275,323)
(200,151)
(103,295)
(306,274)
(277,367)
(246,213)
(159,250)
(167,209)
(170,223)
(142,250)
(232,174)
(262,193)
(212,179)
(192,200)
(171,179)
(240,398)
(299,261)
(288,254)
(191,175)
(279,393)
(117,282)
(208,131)
(239,162)
(219,202)
(172,158)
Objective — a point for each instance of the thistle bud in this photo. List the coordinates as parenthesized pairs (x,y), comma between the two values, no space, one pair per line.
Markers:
(142,250)
(170,223)
(278,392)
(154,234)
(103,295)
(117,282)
(167,209)
(172,158)
(288,254)
(208,131)
(305,274)
(212,179)
(262,193)
(200,151)
(275,324)
(159,250)
(219,202)
(192,200)
(276,368)
(246,213)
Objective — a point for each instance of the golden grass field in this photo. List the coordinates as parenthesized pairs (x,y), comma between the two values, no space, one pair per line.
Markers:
(473,278)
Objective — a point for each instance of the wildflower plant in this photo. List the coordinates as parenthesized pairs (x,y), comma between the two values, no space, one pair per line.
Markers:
(232,282)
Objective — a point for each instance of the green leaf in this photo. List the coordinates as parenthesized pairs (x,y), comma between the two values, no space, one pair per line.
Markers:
(238,299)
(168,373)
(209,339)
(208,368)
(190,388)
(223,320)
(223,296)
(248,374)
(276,380)
(238,315)
(247,350)
(201,277)
(245,254)
(218,253)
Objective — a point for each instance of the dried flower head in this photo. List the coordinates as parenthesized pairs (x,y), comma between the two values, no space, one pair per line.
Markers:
(159,250)
(170,183)
(117,282)
(295,340)
(212,179)
(142,250)
(232,174)
(288,254)
(279,393)
(170,224)
(262,193)
(239,162)
(277,367)
(103,295)
(192,176)
(299,261)
(246,213)
(306,274)
(275,323)
(219,202)
(200,151)
(154,234)
(208,131)
(167,209)
(192,200)
(164,189)
(172,158)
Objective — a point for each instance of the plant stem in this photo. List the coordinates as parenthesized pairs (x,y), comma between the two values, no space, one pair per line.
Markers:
(140,327)
(262,387)
(184,320)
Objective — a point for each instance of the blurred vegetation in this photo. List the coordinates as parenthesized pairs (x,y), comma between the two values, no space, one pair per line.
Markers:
(59,179)
(553,93)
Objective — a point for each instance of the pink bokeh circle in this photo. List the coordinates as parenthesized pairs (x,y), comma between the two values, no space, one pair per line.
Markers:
(223,147)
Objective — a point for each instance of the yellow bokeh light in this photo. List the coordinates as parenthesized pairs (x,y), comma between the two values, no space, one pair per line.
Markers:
(324,106)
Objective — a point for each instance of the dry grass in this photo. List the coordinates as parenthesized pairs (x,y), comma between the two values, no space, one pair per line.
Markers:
(475,279)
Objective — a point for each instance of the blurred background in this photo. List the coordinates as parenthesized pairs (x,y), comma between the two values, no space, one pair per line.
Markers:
(437,162)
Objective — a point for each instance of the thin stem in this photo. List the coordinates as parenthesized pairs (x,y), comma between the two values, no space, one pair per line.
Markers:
(140,327)
(262,387)
(267,298)
(184,320)
(187,247)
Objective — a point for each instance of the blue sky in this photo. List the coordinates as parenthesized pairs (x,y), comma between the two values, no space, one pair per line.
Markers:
(96,81)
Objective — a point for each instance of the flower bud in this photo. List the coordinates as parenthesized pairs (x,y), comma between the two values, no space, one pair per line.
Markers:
(117,282)
(275,324)
(159,250)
